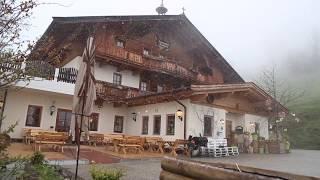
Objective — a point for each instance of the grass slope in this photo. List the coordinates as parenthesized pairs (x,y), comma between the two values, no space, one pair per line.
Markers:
(306,133)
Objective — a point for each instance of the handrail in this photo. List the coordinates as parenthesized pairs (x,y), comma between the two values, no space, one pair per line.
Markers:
(151,63)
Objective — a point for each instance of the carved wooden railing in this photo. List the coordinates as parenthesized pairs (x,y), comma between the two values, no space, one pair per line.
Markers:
(68,75)
(150,62)
(111,91)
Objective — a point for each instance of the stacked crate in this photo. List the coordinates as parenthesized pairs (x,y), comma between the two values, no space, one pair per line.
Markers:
(219,148)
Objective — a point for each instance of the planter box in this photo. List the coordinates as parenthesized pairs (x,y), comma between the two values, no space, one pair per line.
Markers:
(276,148)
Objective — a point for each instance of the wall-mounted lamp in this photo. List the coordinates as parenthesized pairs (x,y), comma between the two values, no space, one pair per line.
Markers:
(134,116)
(52,109)
(179,114)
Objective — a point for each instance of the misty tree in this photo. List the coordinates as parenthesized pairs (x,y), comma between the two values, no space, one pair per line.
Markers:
(13,49)
(281,92)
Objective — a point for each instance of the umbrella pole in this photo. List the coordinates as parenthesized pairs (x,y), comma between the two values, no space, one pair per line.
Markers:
(79,137)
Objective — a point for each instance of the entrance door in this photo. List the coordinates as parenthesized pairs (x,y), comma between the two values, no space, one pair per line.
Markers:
(63,120)
(229,132)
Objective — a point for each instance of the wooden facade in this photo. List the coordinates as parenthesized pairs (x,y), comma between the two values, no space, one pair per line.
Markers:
(164,50)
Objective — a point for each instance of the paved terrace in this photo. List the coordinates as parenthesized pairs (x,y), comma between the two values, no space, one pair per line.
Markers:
(147,166)
(303,162)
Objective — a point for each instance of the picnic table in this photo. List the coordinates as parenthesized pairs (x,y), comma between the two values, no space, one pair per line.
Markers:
(129,143)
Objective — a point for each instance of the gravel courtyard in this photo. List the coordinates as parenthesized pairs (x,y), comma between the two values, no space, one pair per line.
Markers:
(305,162)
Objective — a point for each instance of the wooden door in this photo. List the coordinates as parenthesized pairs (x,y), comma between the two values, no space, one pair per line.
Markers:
(229,132)
(63,120)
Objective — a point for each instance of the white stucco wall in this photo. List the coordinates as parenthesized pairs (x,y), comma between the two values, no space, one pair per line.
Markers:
(104,72)
(18,101)
(17,106)
(53,85)
(195,118)
(236,119)
(75,63)
(263,121)
(163,109)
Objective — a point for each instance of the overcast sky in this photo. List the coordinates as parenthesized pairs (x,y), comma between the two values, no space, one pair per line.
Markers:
(250,34)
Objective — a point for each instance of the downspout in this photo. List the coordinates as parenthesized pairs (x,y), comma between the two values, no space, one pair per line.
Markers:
(3,106)
(184,118)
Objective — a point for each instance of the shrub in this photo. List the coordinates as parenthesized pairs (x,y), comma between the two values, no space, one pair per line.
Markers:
(106,174)
(37,158)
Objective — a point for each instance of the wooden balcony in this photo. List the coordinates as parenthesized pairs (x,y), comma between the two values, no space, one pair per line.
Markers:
(112,92)
(150,63)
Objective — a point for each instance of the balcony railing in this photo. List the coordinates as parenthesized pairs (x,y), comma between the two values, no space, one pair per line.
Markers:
(113,92)
(68,75)
(149,62)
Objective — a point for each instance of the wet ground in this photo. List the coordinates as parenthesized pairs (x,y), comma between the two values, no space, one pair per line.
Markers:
(303,162)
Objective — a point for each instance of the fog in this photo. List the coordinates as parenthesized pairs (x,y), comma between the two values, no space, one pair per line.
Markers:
(250,34)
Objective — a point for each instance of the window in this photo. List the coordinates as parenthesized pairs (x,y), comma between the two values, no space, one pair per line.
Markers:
(63,120)
(170,124)
(146,52)
(34,116)
(207,125)
(120,43)
(118,124)
(145,124)
(93,122)
(257,127)
(156,125)
(143,86)
(117,78)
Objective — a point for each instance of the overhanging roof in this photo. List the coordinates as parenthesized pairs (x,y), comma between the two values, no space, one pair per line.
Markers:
(185,93)
(61,32)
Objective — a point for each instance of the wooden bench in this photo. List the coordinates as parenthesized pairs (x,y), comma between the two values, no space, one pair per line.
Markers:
(57,139)
(30,134)
(131,143)
(95,139)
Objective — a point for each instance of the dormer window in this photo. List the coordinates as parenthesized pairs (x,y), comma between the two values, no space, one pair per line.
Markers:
(146,52)
(163,45)
(120,43)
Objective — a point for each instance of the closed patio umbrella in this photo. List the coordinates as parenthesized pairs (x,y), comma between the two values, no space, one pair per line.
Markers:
(84,95)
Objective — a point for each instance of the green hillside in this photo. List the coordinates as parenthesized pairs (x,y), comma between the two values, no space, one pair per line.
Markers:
(306,133)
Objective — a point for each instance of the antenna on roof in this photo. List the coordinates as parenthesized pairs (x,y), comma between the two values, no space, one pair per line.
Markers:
(161,10)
